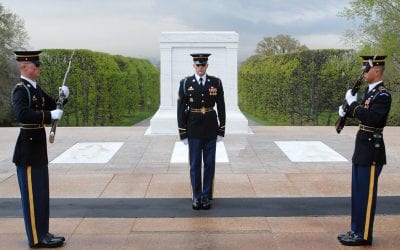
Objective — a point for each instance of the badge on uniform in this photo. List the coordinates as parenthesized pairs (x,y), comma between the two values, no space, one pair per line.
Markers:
(191,99)
(190,88)
(213,91)
(366,104)
(34,99)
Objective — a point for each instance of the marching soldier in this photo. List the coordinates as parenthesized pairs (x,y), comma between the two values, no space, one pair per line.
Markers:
(201,126)
(369,153)
(33,108)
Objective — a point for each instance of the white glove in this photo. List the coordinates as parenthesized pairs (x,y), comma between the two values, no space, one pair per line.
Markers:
(219,138)
(341,111)
(64,90)
(350,98)
(185,141)
(56,114)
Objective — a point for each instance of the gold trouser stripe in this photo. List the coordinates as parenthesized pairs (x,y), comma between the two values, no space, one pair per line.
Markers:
(212,189)
(370,197)
(31,205)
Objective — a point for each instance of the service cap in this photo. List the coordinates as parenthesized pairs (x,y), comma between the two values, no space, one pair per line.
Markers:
(200,58)
(28,56)
(374,60)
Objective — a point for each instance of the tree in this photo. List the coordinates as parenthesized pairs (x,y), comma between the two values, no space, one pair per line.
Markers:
(12,33)
(12,37)
(379,33)
(379,29)
(281,44)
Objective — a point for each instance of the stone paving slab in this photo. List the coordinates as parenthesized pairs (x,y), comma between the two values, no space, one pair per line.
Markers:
(203,233)
(257,168)
(148,185)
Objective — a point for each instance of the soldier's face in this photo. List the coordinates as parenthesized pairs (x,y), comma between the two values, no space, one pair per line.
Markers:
(200,68)
(373,75)
(30,70)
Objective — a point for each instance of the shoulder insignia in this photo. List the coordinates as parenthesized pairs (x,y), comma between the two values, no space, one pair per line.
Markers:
(381,89)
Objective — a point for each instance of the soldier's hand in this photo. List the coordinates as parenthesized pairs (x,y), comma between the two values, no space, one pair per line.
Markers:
(350,98)
(64,90)
(56,114)
(185,141)
(342,113)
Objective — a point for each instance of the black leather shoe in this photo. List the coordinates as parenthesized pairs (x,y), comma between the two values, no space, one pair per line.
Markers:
(62,238)
(341,235)
(206,204)
(196,204)
(48,242)
(354,240)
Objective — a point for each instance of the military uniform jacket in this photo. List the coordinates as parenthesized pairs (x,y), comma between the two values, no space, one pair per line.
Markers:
(31,148)
(373,113)
(196,115)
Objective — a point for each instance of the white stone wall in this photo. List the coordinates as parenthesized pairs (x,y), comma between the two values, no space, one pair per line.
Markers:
(176,63)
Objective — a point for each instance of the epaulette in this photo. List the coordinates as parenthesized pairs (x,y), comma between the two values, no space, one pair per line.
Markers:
(18,85)
(382,91)
(184,85)
(215,79)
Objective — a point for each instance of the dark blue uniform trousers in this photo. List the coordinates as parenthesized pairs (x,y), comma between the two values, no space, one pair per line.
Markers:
(364,188)
(202,149)
(34,187)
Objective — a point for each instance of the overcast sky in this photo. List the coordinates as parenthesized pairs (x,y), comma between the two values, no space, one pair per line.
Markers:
(133,27)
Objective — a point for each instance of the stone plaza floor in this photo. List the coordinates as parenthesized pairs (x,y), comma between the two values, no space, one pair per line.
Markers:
(267,195)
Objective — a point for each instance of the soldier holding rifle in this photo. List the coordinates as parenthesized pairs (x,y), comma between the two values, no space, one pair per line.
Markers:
(33,108)
(369,153)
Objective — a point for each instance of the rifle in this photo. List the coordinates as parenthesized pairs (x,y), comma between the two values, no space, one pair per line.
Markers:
(60,101)
(339,124)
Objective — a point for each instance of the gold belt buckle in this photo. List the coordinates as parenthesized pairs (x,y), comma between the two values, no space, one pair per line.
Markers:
(203,110)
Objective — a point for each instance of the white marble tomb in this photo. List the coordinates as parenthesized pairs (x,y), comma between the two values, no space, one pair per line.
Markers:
(176,63)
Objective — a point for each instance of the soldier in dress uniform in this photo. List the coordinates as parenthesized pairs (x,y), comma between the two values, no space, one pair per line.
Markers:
(201,126)
(33,108)
(369,153)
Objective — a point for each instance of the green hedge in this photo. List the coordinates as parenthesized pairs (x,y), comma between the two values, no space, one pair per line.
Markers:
(303,88)
(104,89)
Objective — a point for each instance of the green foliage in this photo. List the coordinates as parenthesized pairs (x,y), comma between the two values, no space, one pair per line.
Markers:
(281,44)
(104,89)
(394,115)
(379,33)
(302,88)
(12,37)
(12,33)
